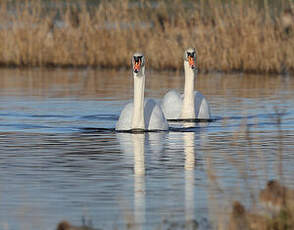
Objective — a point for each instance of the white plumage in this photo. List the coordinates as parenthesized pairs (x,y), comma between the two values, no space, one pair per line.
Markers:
(154,118)
(190,105)
(172,104)
(145,115)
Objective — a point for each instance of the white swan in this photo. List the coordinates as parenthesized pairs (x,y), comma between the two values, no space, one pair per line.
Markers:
(142,115)
(191,105)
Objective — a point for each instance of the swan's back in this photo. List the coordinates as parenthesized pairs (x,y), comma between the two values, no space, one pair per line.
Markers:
(154,118)
(172,105)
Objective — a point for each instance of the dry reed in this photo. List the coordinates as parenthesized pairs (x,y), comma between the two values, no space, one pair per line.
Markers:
(239,36)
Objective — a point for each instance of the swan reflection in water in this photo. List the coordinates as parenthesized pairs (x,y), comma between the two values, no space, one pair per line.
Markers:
(134,144)
(187,141)
(190,163)
(189,148)
(139,178)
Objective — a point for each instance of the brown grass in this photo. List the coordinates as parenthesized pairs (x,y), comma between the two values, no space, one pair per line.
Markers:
(233,37)
(241,218)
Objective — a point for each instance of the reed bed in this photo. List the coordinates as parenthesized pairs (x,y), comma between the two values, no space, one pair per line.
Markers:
(239,36)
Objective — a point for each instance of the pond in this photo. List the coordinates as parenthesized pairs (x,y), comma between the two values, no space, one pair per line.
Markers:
(61,160)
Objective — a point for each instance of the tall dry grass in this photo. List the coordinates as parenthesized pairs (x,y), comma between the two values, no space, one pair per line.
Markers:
(239,36)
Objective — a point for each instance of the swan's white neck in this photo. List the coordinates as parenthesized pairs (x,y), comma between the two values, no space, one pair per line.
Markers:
(138,112)
(188,109)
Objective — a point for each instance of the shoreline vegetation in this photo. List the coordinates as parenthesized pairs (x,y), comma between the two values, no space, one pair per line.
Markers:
(276,200)
(278,209)
(240,36)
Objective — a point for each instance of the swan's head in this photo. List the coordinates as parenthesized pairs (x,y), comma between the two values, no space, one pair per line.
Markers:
(190,57)
(138,63)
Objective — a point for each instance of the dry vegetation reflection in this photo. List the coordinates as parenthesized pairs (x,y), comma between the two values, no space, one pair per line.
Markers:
(239,36)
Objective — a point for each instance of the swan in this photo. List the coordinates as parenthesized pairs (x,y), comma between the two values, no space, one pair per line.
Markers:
(192,104)
(141,115)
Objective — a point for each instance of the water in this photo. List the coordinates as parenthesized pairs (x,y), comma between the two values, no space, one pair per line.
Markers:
(60,158)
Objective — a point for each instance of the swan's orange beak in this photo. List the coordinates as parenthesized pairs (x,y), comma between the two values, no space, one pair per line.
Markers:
(137,66)
(191,62)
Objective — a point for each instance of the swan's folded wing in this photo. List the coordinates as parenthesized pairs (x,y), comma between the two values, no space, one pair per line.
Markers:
(172,105)
(125,119)
(154,117)
(202,110)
